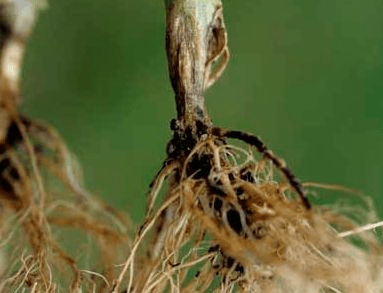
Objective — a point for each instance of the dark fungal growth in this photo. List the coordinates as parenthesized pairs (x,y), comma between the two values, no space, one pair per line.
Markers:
(234,219)
(223,219)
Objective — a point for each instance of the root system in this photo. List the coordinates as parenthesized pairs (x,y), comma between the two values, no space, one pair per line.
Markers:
(220,217)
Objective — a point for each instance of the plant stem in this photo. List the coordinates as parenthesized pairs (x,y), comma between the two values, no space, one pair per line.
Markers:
(195,38)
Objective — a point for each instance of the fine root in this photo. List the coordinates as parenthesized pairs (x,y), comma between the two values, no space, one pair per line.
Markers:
(41,201)
(228,224)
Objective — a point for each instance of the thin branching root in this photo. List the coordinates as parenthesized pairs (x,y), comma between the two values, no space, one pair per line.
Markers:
(43,203)
(44,208)
(228,223)
(229,220)
(221,216)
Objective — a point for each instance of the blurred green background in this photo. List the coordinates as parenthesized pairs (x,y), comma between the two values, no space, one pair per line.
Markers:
(306,76)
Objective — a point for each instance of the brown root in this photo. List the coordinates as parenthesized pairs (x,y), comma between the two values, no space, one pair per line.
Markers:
(42,202)
(227,226)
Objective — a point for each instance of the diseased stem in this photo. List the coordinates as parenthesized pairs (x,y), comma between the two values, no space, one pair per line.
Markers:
(195,38)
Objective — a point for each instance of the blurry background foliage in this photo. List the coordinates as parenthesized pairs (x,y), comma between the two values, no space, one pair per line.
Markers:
(306,76)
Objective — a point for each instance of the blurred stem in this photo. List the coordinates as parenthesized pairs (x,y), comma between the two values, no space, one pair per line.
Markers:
(17,19)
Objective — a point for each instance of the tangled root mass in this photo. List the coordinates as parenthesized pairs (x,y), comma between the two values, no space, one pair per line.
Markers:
(219,219)
(228,223)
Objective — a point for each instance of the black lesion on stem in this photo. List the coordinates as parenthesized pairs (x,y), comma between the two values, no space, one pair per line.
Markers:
(5,26)
(184,139)
(199,113)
